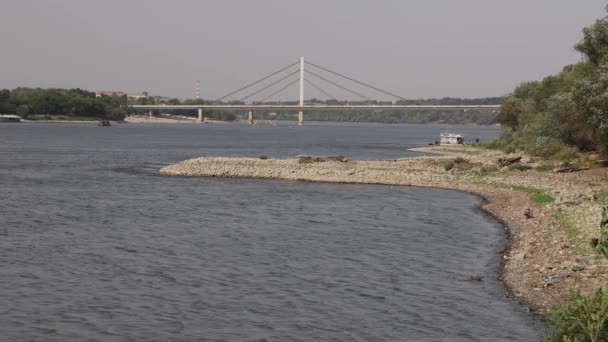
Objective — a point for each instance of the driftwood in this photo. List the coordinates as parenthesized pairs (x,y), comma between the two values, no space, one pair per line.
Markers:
(506,161)
(571,169)
(321,159)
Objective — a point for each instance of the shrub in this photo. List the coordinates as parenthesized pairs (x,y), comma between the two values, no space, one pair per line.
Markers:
(449,165)
(460,160)
(511,148)
(544,146)
(582,318)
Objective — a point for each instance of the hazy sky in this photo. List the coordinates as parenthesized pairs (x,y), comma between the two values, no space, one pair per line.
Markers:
(415,48)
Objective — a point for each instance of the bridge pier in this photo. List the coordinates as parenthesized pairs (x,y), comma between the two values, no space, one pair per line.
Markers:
(250,117)
(200,115)
(301,118)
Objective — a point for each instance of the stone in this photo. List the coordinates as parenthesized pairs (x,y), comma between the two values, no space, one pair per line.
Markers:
(585,259)
(578,268)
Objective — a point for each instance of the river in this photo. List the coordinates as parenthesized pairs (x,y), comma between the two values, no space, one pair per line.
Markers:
(96,246)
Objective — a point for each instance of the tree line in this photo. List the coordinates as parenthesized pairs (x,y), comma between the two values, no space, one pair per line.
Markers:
(66,102)
(564,113)
(28,102)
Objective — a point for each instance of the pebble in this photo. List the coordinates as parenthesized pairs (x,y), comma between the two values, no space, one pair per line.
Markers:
(578,268)
(587,258)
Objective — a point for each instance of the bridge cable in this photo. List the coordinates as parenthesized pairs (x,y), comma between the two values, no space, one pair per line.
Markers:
(356,81)
(280,90)
(270,85)
(329,96)
(337,85)
(258,81)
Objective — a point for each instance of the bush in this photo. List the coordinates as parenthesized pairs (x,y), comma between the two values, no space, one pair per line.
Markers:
(583,318)
(548,147)
(449,165)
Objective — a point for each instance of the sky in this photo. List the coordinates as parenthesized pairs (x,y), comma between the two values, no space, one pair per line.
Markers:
(413,48)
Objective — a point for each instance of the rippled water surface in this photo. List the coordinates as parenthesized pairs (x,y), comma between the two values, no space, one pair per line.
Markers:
(95,246)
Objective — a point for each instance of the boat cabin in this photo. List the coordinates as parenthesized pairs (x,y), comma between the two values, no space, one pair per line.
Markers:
(9,118)
(451,139)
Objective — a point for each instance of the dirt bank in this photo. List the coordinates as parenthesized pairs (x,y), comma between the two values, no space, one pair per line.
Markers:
(550,217)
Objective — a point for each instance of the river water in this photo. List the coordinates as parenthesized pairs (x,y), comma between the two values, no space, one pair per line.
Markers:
(96,246)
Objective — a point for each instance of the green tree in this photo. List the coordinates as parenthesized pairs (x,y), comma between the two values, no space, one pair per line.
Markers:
(594,44)
(591,95)
(510,111)
(23,110)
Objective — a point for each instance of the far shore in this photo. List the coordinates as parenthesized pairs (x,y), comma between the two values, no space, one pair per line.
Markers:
(549,217)
(160,120)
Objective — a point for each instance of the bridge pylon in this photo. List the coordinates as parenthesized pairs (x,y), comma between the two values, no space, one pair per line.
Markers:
(301,113)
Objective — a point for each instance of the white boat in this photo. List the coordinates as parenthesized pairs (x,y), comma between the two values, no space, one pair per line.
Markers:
(451,139)
(9,118)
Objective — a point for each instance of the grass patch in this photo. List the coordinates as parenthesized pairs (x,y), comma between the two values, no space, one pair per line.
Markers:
(536,195)
(544,167)
(601,244)
(486,170)
(566,222)
(519,167)
(601,196)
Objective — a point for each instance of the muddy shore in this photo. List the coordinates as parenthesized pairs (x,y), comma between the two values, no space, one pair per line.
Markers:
(549,217)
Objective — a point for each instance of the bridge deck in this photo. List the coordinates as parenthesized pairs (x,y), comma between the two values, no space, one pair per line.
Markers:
(316,107)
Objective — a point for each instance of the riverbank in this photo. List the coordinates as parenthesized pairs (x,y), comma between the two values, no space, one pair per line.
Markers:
(550,217)
(157,120)
(178,120)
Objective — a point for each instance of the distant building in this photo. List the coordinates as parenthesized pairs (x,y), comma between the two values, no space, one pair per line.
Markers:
(137,96)
(160,99)
(101,93)
(134,96)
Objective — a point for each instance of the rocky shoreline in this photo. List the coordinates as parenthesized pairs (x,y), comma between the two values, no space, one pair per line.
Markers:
(549,217)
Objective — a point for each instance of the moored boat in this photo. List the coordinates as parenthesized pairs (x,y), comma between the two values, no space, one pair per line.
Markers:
(451,139)
(10,118)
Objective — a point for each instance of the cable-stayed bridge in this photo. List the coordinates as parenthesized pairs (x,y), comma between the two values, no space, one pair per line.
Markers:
(281,80)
